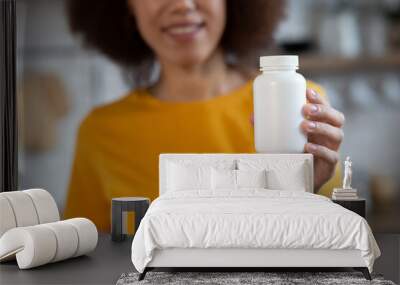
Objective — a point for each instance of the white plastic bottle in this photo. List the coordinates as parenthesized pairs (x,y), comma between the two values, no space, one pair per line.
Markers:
(279,95)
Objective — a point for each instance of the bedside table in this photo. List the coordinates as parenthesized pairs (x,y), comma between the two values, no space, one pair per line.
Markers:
(120,207)
(358,206)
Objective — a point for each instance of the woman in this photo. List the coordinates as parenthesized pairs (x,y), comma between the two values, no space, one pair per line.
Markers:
(200,102)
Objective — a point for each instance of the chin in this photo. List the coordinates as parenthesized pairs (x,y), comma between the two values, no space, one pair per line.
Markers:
(189,61)
(191,57)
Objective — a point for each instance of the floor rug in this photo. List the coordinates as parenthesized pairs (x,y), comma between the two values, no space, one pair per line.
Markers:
(273,278)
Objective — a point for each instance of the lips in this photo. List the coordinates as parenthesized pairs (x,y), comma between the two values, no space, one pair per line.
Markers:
(184,31)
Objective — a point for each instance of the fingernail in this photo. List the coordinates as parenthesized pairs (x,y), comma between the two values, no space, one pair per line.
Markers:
(313,93)
(314,109)
(312,125)
(312,147)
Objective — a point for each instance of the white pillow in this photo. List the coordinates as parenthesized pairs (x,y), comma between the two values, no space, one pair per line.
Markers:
(251,178)
(282,174)
(189,174)
(236,179)
(223,179)
(292,179)
(188,177)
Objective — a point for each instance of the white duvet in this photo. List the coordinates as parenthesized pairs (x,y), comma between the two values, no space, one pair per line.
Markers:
(250,218)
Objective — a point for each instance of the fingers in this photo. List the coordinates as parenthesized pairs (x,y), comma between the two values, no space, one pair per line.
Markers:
(314,97)
(322,152)
(333,134)
(323,113)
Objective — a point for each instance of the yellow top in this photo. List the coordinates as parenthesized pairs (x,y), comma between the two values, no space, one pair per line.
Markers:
(118,145)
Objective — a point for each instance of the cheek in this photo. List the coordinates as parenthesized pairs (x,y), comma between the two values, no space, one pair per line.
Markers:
(146,14)
(148,31)
(216,16)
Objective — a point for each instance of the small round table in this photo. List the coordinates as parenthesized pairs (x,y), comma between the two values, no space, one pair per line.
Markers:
(120,207)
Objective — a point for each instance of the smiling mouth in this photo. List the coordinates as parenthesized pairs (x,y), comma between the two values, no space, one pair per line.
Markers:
(184,29)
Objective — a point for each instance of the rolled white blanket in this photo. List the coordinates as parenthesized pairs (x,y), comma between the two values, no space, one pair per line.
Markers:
(26,208)
(45,206)
(23,208)
(31,232)
(7,219)
(32,246)
(67,239)
(87,235)
(40,244)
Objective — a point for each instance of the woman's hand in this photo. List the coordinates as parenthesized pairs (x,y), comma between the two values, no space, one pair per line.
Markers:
(323,127)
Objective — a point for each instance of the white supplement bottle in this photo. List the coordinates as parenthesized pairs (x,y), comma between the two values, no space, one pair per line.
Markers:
(279,95)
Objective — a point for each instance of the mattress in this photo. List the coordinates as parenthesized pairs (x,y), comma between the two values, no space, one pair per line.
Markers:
(251,219)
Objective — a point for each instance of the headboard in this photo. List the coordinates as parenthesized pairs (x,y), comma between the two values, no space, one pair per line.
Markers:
(214,157)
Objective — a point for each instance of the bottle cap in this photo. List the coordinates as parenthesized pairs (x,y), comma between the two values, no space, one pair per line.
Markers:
(279,61)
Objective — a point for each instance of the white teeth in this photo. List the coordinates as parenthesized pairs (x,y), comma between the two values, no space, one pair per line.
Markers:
(183,30)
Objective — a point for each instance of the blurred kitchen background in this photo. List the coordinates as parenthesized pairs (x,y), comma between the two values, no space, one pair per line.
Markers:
(352,48)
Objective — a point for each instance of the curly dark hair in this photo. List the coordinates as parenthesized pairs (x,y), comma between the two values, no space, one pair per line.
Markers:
(108,26)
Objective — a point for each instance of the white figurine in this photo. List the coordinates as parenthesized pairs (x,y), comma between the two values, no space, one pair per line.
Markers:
(347,173)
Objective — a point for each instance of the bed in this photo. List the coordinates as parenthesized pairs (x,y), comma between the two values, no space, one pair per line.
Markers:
(247,211)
